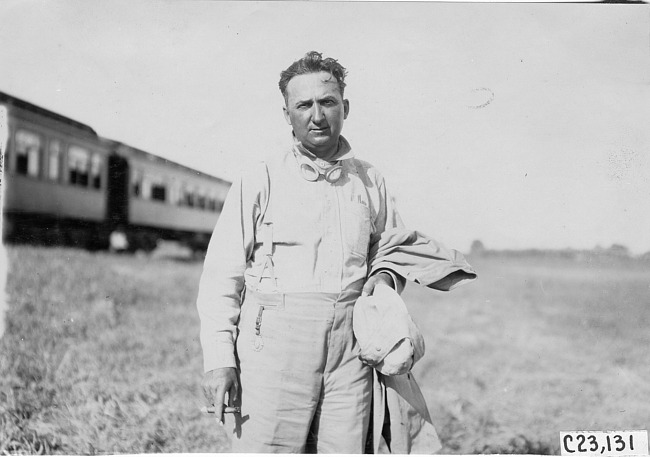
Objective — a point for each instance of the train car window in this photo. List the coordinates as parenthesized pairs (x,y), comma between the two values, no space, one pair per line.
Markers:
(96,171)
(136,183)
(54,160)
(78,161)
(200,199)
(158,192)
(28,151)
(4,136)
(213,201)
(188,197)
(153,187)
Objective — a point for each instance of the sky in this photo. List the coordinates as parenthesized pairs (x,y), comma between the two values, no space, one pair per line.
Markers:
(520,125)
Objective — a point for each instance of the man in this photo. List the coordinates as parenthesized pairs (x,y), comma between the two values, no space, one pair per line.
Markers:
(290,255)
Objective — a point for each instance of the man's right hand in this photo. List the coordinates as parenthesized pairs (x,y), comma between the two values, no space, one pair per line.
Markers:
(215,384)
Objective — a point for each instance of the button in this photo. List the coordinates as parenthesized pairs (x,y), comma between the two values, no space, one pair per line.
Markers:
(377,348)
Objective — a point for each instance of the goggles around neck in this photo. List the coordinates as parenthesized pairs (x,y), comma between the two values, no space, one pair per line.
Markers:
(311,171)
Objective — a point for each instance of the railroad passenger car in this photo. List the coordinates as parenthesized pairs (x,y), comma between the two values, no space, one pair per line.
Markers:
(64,184)
(163,199)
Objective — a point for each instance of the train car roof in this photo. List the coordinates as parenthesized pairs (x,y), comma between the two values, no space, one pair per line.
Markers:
(15,101)
(127,150)
(23,104)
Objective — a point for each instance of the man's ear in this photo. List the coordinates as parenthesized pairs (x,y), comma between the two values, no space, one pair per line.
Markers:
(285,111)
(346,109)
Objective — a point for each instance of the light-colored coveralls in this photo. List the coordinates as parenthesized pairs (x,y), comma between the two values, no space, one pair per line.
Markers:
(285,320)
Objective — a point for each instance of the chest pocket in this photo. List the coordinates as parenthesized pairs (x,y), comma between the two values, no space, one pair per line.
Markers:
(358,228)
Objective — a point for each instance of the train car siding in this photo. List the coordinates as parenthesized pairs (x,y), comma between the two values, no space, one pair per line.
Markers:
(65,184)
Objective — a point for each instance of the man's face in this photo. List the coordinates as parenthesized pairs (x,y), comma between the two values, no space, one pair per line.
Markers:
(316,111)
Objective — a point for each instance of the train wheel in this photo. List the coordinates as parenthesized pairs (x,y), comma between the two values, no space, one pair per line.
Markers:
(8,229)
(99,239)
(150,242)
(31,235)
(78,237)
(54,236)
(142,241)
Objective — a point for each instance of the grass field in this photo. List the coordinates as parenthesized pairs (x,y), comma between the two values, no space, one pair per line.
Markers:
(101,354)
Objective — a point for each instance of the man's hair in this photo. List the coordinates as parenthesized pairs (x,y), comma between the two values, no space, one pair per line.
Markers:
(313,62)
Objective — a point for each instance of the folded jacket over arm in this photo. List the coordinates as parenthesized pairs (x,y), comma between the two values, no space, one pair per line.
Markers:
(397,400)
(419,258)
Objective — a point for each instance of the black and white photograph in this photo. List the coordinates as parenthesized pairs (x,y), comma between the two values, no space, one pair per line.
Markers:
(324,227)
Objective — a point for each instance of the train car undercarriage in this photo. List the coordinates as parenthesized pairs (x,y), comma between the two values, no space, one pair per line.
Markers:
(35,229)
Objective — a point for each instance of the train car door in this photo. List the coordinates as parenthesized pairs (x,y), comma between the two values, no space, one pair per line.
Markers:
(117,206)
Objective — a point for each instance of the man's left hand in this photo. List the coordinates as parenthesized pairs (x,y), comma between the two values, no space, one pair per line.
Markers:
(380,278)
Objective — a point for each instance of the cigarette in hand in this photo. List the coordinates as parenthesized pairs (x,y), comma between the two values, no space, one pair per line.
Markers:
(226,409)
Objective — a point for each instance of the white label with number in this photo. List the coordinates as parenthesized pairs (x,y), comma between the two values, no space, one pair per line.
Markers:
(627,442)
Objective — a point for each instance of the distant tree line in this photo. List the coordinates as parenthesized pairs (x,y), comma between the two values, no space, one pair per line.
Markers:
(615,251)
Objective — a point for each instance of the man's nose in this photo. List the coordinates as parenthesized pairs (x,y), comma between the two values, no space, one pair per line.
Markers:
(317,115)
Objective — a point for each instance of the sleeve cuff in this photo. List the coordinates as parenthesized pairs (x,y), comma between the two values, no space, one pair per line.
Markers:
(219,355)
(398,281)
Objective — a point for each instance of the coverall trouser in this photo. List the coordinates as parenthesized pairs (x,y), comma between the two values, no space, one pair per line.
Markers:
(303,389)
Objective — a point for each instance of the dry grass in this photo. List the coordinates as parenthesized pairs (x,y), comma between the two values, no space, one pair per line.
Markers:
(101,355)
(532,349)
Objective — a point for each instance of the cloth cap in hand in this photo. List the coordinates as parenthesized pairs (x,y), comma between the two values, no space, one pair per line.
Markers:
(388,338)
